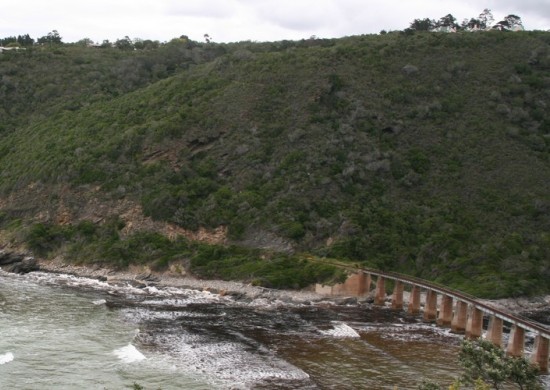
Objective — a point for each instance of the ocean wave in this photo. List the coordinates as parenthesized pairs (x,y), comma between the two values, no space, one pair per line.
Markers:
(341,329)
(6,358)
(129,354)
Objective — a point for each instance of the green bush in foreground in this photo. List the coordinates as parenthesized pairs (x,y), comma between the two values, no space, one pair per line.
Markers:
(483,360)
(487,366)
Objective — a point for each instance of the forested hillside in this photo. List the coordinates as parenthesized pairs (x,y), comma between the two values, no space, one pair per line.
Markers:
(422,152)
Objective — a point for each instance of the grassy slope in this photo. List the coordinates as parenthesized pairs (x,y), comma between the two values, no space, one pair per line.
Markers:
(328,146)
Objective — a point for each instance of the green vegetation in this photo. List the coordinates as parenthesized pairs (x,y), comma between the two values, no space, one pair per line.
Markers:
(486,366)
(482,360)
(86,243)
(425,153)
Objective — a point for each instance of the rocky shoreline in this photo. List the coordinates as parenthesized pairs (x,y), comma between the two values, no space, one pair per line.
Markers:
(535,308)
(142,277)
(17,263)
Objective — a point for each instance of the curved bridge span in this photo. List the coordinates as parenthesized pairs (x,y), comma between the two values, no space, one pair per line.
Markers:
(461,312)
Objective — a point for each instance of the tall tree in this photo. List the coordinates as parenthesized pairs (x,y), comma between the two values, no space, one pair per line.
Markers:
(486,19)
(25,40)
(447,22)
(426,24)
(514,22)
(124,43)
(471,25)
(53,37)
(509,23)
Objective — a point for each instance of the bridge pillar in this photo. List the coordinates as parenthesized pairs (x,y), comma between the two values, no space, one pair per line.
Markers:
(361,284)
(368,283)
(397,297)
(474,327)
(380,296)
(414,301)
(516,341)
(541,353)
(494,331)
(430,308)
(458,324)
(445,311)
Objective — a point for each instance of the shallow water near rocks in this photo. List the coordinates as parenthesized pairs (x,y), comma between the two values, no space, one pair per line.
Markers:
(63,332)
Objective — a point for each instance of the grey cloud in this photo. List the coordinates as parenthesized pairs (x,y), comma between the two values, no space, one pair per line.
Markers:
(540,7)
(300,16)
(212,9)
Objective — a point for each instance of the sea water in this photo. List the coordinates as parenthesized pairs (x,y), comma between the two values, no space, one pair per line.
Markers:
(64,332)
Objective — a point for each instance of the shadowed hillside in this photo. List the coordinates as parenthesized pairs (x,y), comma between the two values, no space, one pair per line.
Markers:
(426,154)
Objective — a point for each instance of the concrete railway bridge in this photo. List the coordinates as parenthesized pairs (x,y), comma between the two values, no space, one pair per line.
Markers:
(463,313)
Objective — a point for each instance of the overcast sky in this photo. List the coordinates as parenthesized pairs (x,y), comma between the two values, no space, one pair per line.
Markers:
(240,20)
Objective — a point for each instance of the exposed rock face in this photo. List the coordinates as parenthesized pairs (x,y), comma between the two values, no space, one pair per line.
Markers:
(17,262)
(409,69)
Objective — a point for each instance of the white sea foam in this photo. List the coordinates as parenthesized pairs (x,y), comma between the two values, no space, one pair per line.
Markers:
(341,329)
(183,301)
(129,354)
(155,290)
(237,363)
(412,331)
(99,302)
(6,358)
